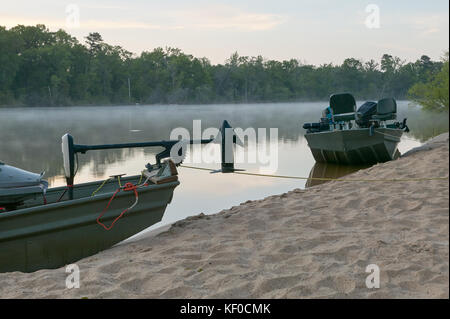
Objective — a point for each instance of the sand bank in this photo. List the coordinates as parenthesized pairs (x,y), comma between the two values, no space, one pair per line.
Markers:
(302,244)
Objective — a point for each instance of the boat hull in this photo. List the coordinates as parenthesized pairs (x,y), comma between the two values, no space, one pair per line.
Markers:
(355,147)
(53,235)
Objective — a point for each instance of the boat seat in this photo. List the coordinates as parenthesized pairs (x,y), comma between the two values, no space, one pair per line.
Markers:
(386,110)
(343,106)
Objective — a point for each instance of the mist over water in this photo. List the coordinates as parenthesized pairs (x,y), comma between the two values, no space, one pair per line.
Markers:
(30,138)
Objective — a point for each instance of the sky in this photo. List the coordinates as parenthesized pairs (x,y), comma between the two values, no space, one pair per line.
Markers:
(312,31)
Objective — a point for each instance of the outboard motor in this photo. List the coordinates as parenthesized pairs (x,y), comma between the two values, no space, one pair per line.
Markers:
(17,185)
(365,113)
(371,114)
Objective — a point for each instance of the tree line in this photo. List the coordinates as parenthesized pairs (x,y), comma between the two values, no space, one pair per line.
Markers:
(39,67)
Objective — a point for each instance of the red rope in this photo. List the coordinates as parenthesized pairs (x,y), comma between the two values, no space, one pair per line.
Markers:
(127,187)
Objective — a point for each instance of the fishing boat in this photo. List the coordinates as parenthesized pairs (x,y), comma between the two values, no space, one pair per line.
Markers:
(43,227)
(348,136)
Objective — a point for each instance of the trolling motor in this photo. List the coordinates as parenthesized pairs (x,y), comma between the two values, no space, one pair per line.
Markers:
(227,139)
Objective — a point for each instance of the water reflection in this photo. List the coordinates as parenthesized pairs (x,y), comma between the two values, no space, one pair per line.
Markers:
(31,139)
(325,171)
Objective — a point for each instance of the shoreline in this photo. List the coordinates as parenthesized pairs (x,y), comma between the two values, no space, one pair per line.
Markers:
(427,145)
(312,243)
(325,101)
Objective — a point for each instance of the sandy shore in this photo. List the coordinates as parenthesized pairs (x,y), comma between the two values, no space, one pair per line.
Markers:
(303,244)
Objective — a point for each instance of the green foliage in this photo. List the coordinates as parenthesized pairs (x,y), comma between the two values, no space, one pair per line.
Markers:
(39,67)
(433,94)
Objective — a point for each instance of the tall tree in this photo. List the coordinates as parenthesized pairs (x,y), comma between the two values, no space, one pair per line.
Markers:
(433,95)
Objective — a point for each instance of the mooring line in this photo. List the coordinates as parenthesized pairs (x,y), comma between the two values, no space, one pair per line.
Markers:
(328,179)
(103,184)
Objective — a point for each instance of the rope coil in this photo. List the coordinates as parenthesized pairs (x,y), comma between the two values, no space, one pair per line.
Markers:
(126,188)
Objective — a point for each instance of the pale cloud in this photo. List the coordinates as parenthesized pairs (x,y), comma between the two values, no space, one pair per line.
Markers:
(227,17)
(212,17)
(12,21)
(428,25)
(84,24)
(389,46)
(102,7)
(111,25)
(249,22)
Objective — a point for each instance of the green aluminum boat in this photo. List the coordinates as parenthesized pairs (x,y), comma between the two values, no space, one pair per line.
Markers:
(348,137)
(49,228)
(36,236)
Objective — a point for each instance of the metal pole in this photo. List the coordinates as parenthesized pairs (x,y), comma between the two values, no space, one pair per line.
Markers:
(85,148)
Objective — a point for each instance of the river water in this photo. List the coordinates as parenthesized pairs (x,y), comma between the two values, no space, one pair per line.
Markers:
(30,138)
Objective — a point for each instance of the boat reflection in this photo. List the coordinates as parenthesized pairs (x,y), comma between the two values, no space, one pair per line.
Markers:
(326,170)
